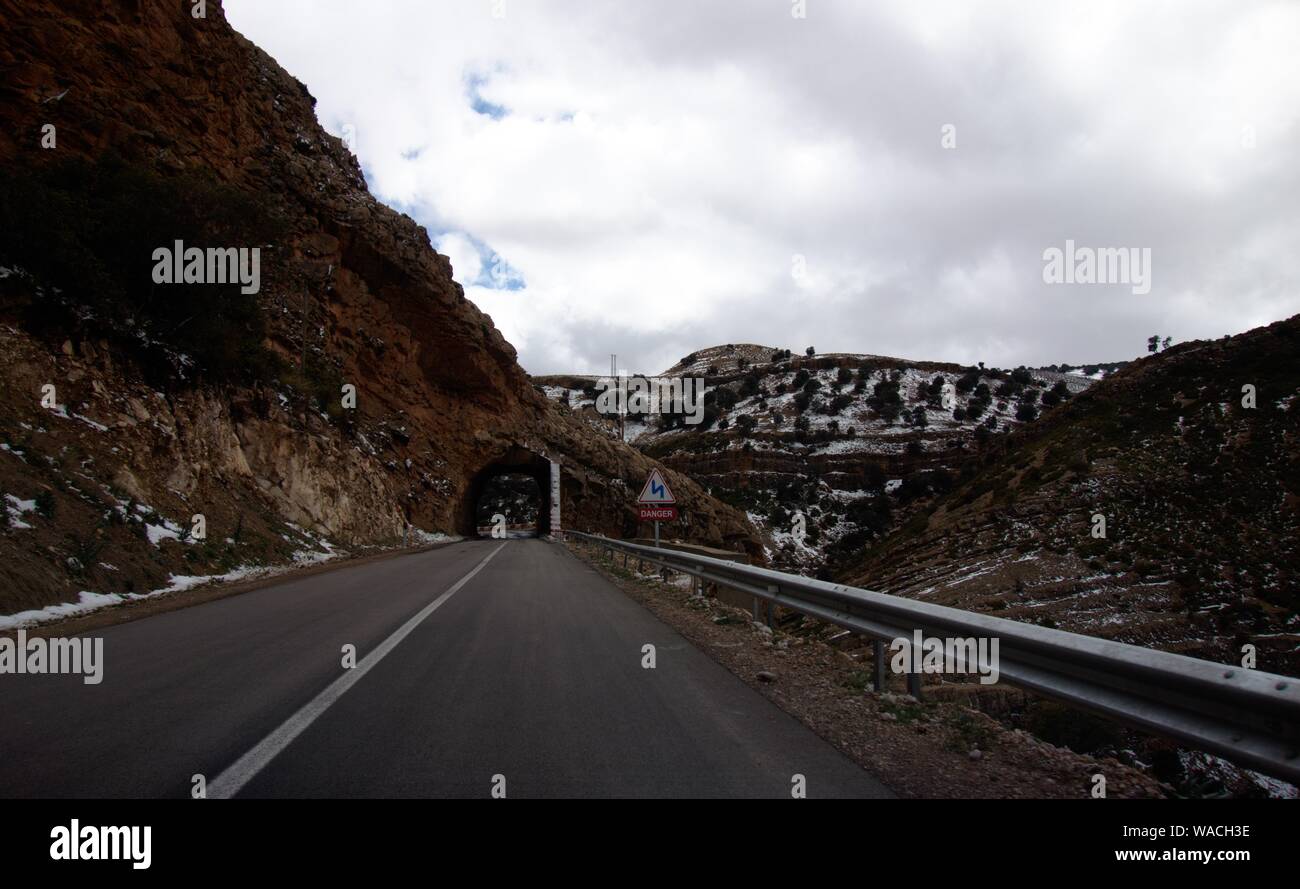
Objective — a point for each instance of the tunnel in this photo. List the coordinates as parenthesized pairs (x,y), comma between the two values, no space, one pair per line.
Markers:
(517,485)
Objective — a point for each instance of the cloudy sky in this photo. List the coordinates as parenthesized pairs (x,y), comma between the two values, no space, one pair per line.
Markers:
(652,177)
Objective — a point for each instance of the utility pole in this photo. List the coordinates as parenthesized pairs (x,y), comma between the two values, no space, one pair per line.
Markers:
(613,375)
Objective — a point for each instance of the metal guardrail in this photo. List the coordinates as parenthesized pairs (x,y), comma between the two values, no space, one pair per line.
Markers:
(1248,716)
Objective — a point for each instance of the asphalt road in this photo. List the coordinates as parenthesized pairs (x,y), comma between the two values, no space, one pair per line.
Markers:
(480,664)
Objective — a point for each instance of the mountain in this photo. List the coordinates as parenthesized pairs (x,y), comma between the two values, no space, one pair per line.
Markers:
(1191,455)
(851,442)
(992,505)
(132,406)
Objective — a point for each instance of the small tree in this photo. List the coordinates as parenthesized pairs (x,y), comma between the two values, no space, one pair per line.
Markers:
(810,351)
(968,382)
(45,503)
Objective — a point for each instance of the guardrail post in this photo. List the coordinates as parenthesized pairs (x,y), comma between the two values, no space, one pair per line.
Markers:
(914,685)
(878,647)
(756,609)
(771,606)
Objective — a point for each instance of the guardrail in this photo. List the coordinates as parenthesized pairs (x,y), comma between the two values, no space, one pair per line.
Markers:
(1248,716)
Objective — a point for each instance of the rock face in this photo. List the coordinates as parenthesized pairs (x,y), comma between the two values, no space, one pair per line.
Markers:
(441,399)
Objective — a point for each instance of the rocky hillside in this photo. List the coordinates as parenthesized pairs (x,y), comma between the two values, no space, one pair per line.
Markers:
(1192,456)
(126,125)
(851,442)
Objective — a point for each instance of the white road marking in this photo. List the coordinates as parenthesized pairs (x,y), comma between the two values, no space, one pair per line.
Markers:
(244,769)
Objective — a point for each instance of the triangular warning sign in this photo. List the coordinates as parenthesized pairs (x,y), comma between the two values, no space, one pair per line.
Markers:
(656,490)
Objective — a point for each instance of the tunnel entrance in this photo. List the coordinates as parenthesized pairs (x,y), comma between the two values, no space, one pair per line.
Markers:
(516,485)
(510,505)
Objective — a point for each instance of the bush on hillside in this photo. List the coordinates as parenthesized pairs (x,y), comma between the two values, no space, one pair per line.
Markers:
(87,233)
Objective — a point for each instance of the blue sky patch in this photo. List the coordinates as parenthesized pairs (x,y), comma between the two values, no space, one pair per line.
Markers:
(480,105)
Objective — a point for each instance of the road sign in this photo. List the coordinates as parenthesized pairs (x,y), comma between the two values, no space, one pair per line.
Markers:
(656,491)
(657,513)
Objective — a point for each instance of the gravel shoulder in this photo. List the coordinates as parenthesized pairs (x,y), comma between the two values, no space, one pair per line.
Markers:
(921,749)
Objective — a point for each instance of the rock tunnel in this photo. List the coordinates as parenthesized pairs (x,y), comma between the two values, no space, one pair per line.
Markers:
(503,473)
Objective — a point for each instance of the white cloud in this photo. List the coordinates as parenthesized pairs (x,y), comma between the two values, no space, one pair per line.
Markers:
(659,165)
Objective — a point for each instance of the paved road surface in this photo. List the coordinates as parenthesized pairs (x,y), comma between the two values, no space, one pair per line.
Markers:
(529,669)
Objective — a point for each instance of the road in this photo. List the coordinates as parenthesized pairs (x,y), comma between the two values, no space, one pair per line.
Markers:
(484,661)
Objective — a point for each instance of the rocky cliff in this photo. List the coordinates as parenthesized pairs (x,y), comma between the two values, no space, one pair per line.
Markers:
(353,295)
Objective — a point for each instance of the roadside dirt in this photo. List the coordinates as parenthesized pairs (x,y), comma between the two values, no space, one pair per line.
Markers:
(920,749)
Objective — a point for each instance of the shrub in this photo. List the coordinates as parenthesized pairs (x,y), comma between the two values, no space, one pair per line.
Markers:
(1065,727)
(45,503)
(90,229)
(968,381)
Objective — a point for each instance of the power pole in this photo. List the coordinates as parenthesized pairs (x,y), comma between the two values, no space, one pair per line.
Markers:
(613,374)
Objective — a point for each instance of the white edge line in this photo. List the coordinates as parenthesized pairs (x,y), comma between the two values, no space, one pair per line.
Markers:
(244,769)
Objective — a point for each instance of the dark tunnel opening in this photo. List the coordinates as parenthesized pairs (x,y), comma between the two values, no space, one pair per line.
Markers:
(516,487)
(510,505)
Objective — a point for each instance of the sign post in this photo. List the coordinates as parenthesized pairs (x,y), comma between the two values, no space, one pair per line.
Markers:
(556,531)
(656,502)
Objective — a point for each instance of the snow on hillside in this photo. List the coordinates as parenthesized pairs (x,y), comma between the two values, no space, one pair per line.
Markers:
(843,440)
